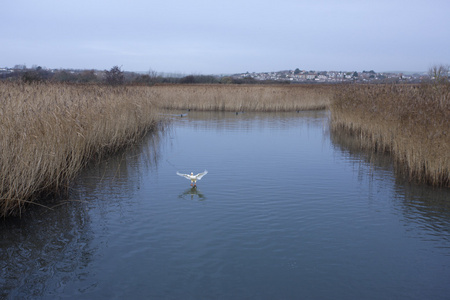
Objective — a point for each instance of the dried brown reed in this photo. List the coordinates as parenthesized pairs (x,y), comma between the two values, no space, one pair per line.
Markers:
(411,122)
(243,97)
(48,132)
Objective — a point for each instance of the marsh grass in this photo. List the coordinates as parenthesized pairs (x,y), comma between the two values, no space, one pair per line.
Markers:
(411,122)
(48,132)
(259,98)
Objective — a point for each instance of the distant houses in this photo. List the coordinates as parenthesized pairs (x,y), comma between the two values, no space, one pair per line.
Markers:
(304,76)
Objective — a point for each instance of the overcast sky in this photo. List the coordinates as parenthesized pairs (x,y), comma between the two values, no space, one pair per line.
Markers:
(232,36)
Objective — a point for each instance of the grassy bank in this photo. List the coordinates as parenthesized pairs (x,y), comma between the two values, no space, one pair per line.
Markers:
(411,122)
(243,97)
(48,132)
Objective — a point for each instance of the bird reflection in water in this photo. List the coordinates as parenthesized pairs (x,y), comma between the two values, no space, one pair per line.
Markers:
(194,193)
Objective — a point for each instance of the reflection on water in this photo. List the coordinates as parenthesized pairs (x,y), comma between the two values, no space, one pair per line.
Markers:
(245,121)
(121,170)
(53,244)
(419,204)
(425,208)
(192,194)
(289,210)
(43,246)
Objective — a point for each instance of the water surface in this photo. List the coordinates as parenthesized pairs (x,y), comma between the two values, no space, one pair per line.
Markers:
(288,210)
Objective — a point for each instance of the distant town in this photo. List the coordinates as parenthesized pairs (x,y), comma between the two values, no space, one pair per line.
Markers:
(303,76)
(287,76)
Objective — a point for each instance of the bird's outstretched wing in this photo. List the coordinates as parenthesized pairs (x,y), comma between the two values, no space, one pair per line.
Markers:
(200,175)
(183,175)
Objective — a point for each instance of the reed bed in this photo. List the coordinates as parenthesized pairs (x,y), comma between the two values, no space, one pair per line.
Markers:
(49,132)
(260,98)
(411,122)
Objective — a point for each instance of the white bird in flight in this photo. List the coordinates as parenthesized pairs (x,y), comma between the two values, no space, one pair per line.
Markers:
(193,178)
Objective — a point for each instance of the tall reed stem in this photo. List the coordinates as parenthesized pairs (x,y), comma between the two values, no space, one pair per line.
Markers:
(49,132)
(411,122)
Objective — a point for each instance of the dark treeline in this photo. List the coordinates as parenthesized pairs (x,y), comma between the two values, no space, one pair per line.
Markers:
(116,76)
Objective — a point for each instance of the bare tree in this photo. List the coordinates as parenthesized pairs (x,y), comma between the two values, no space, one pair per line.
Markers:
(152,73)
(439,73)
(115,76)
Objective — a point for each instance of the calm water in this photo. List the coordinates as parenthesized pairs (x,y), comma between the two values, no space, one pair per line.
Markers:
(287,211)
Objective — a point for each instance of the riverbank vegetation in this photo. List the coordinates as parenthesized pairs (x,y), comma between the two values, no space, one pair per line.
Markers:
(262,98)
(412,122)
(48,132)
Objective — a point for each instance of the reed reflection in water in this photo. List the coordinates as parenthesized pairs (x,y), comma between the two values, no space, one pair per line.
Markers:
(417,204)
(54,243)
